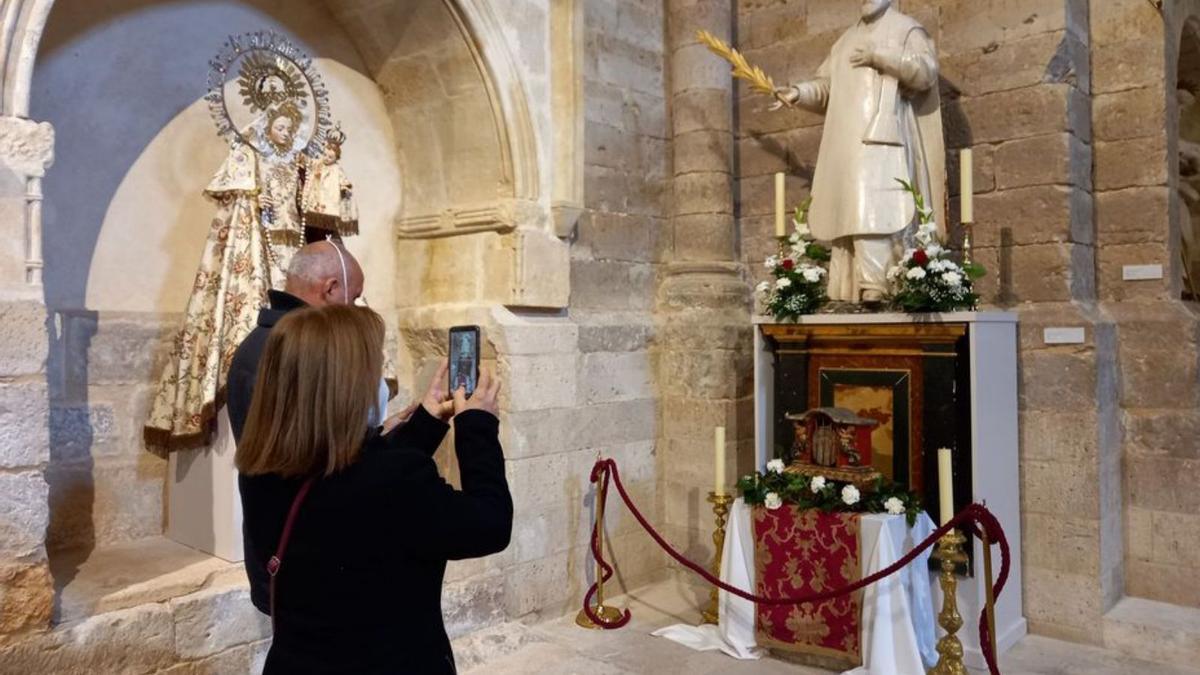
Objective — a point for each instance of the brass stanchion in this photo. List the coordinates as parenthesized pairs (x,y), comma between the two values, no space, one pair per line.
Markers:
(601,610)
(950,649)
(989,594)
(721,504)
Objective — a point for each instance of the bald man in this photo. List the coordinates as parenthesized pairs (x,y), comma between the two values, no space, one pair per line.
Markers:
(321,273)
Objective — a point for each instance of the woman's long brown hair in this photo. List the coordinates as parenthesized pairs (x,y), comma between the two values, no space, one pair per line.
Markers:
(317,381)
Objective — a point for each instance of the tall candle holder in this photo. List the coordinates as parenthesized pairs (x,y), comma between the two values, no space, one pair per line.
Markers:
(966,245)
(721,504)
(606,613)
(949,648)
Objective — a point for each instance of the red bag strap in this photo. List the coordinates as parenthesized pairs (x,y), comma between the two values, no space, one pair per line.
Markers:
(276,560)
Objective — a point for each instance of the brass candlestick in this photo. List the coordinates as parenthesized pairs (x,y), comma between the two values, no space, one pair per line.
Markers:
(950,649)
(721,504)
(601,610)
(966,246)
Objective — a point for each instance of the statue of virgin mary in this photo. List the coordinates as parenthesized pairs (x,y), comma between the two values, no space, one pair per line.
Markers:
(257,227)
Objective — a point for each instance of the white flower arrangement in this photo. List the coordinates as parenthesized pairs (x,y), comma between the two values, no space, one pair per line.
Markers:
(850,495)
(799,285)
(772,501)
(775,466)
(775,489)
(925,279)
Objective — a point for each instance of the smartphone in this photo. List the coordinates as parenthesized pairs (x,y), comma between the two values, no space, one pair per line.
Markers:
(464,358)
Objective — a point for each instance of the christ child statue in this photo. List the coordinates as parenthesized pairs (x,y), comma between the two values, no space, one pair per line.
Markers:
(327,199)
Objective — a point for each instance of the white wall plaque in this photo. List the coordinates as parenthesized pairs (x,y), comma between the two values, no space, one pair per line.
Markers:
(1141,272)
(1072,335)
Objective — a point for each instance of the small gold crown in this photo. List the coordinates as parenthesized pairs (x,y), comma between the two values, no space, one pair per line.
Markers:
(336,137)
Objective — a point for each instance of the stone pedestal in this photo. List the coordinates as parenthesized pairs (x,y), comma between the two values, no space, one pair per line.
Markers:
(204,508)
(991,348)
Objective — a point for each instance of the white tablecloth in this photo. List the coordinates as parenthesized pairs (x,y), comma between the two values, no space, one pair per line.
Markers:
(897,621)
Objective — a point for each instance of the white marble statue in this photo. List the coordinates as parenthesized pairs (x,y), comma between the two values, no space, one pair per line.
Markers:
(878,90)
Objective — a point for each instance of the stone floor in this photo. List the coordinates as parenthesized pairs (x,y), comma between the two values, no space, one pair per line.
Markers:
(558,647)
(156,590)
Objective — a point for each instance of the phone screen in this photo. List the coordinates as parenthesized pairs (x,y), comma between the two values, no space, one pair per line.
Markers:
(464,358)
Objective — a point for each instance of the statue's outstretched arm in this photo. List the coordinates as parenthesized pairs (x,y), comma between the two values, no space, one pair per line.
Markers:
(811,95)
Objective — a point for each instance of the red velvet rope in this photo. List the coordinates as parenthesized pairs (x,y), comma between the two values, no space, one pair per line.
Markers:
(976,516)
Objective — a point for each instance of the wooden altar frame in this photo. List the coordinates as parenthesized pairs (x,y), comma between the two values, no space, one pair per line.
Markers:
(918,360)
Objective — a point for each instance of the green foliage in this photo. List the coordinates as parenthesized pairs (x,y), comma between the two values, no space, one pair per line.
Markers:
(801,214)
(817,253)
(924,215)
(974,271)
(928,296)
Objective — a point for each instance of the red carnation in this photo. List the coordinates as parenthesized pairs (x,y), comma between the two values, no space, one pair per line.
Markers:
(788,264)
(920,257)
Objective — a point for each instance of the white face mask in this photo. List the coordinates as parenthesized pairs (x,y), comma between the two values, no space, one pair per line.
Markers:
(345,276)
(379,411)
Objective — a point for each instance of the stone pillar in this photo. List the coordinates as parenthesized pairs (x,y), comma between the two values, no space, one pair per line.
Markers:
(704,329)
(26,591)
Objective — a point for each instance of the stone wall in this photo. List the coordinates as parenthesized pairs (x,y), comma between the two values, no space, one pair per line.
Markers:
(26,589)
(616,258)
(1136,59)
(105,489)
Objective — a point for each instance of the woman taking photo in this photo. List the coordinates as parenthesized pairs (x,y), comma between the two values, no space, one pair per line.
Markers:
(357,578)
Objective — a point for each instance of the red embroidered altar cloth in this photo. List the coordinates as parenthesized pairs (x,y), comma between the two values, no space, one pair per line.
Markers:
(799,552)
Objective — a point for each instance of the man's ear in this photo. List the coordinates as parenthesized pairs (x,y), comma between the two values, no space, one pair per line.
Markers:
(328,288)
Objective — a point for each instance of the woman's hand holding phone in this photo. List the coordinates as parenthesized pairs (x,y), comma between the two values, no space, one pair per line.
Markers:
(486,396)
(437,399)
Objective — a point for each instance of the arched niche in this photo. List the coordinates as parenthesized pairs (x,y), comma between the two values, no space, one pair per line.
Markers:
(126,222)
(487,177)
(125,219)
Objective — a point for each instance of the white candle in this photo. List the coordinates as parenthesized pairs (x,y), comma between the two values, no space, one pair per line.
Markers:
(966,192)
(780,208)
(719,458)
(945,484)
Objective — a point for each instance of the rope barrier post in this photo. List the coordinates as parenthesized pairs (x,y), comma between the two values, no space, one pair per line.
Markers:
(989,594)
(603,612)
(949,648)
(721,504)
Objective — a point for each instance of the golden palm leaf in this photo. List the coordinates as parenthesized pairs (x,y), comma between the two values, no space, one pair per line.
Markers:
(759,81)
